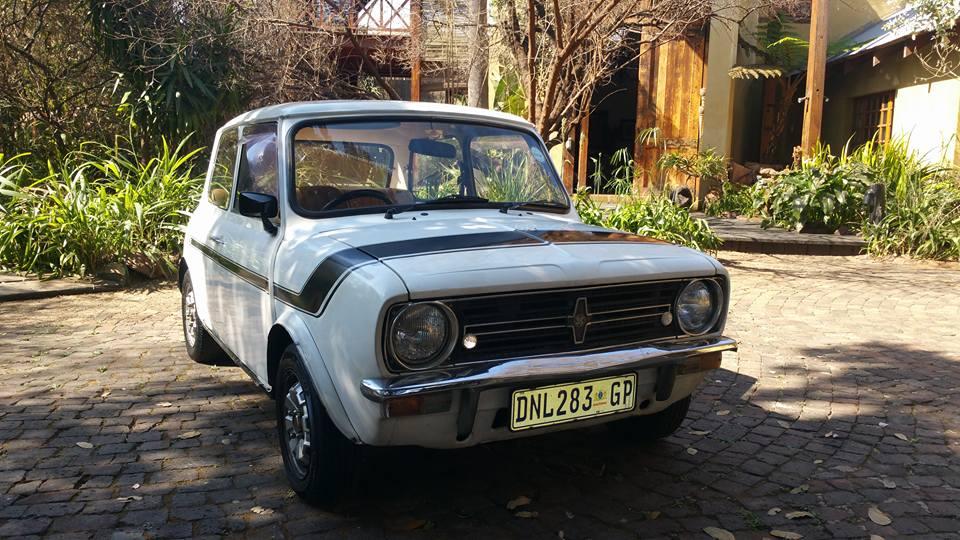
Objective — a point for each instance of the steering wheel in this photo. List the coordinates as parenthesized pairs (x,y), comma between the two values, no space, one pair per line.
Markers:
(356,194)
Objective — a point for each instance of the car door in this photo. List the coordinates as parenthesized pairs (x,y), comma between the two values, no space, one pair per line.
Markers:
(211,277)
(250,247)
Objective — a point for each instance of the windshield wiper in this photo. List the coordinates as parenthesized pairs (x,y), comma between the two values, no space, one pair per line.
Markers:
(456,197)
(540,203)
(446,199)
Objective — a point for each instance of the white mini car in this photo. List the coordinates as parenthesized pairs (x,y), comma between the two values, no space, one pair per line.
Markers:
(415,274)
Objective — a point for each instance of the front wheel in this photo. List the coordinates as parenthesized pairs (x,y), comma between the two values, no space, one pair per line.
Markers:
(318,460)
(654,426)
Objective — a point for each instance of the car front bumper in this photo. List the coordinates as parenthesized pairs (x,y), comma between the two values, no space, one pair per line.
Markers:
(667,373)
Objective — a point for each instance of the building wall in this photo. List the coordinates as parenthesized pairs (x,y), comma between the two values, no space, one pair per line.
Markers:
(925,110)
(926,116)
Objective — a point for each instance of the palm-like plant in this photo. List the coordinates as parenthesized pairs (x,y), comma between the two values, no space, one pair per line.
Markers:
(782,57)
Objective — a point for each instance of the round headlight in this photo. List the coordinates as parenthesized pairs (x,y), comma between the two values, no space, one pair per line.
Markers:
(420,335)
(698,306)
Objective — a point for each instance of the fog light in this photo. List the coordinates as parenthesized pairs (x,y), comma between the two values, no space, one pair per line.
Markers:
(469,341)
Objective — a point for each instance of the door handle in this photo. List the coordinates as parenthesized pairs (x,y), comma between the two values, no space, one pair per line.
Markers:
(217,240)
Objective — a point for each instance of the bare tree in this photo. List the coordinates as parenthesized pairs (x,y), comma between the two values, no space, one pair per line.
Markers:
(54,87)
(478,51)
(563,50)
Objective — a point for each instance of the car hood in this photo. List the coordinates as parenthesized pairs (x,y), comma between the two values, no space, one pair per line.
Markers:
(452,253)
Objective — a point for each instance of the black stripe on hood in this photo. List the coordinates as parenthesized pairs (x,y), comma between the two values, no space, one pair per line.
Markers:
(332,270)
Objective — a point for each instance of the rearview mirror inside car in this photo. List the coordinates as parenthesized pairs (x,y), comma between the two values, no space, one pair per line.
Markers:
(429,147)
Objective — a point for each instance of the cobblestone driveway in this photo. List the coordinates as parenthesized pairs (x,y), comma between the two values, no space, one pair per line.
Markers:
(843,396)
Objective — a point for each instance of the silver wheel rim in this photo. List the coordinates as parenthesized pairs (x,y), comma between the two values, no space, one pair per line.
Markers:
(296,428)
(190,322)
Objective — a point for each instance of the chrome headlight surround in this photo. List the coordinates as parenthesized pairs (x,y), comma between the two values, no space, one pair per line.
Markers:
(698,287)
(439,353)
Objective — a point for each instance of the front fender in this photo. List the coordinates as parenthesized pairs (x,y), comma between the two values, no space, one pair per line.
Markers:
(292,321)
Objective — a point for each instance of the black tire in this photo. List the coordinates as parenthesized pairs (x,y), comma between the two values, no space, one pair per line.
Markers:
(201,348)
(655,426)
(324,470)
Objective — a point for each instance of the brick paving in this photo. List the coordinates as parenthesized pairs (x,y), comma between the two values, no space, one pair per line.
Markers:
(843,396)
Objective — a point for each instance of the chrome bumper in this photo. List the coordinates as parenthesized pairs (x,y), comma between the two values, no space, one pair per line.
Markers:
(528,370)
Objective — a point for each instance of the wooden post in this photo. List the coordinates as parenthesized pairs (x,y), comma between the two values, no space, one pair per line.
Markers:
(816,72)
(583,151)
(416,41)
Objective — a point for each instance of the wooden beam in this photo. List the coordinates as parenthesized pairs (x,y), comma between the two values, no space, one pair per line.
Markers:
(416,43)
(816,73)
(583,152)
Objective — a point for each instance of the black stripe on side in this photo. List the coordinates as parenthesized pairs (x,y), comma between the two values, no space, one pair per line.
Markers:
(589,237)
(455,242)
(324,280)
(243,273)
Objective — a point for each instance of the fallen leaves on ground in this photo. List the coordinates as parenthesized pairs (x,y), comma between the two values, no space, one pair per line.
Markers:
(522,500)
(526,514)
(699,433)
(877,516)
(784,424)
(724,412)
(788,535)
(259,510)
(802,488)
(650,516)
(692,451)
(887,483)
(774,511)
(130,498)
(799,514)
(719,534)
(164,404)
(189,435)
(85,444)
(901,436)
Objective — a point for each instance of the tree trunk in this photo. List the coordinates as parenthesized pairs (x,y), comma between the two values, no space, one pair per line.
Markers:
(477,82)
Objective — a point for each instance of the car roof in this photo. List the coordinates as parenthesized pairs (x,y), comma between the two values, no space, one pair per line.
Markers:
(374,108)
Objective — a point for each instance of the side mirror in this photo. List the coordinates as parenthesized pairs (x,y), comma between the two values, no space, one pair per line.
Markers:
(259,205)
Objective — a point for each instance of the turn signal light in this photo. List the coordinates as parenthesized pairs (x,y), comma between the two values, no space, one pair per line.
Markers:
(414,405)
(701,362)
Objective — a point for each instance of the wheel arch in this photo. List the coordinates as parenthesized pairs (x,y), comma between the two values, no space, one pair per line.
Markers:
(181,272)
(290,329)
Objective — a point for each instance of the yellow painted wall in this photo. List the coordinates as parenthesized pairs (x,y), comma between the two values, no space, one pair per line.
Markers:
(848,16)
(926,116)
(922,106)
(717,103)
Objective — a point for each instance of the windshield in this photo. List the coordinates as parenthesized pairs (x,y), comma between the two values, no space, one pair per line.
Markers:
(378,165)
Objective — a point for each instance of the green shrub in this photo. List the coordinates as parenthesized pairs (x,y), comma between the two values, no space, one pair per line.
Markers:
(705,164)
(817,196)
(735,199)
(651,215)
(99,205)
(922,204)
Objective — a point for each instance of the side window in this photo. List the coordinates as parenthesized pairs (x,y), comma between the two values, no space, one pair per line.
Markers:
(221,183)
(258,171)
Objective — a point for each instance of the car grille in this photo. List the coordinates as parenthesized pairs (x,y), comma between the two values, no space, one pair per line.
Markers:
(546,322)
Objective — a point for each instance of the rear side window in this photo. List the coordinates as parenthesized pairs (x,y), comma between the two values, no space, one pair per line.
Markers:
(258,171)
(221,182)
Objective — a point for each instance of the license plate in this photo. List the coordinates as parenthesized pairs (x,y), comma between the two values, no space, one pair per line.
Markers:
(549,405)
